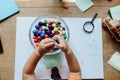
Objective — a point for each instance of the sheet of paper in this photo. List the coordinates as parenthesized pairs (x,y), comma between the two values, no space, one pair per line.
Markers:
(87,49)
(7,9)
(115,12)
(83,5)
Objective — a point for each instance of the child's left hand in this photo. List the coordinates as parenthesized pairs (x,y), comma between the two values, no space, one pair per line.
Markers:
(46,45)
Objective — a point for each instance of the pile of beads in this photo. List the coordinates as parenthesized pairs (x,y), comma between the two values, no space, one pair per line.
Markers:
(47,29)
(116,31)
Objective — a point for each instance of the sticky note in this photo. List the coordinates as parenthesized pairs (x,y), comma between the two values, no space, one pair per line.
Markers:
(52,60)
(83,5)
(115,12)
(115,61)
(7,9)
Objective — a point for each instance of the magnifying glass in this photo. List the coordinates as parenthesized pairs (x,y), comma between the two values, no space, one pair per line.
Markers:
(89,26)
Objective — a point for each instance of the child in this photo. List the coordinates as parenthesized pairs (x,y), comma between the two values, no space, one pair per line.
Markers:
(45,46)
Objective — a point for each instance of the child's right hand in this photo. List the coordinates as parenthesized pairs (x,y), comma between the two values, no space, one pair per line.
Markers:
(62,43)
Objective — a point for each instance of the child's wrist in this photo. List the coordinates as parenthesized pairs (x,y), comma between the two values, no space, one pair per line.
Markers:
(68,50)
(38,52)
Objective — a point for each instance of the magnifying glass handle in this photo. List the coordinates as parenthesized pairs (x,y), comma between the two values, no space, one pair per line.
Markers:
(94,17)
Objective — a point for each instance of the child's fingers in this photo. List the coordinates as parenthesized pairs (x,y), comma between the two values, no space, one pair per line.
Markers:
(50,45)
(47,40)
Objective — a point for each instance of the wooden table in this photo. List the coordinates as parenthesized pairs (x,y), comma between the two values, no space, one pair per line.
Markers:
(41,7)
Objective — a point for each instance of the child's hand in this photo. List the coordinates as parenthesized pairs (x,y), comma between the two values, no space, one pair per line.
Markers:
(62,44)
(45,46)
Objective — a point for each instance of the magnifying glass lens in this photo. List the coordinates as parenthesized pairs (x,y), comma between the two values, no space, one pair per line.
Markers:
(88,27)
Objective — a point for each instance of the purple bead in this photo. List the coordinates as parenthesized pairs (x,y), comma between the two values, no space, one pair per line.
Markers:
(51,35)
(48,32)
(50,27)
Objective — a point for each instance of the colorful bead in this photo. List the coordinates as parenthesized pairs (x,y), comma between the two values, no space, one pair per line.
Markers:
(65,36)
(46,36)
(55,29)
(42,36)
(35,40)
(40,23)
(37,26)
(39,37)
(46,29)
(56,39)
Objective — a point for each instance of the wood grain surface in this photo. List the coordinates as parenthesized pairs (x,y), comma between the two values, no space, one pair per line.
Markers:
(31,8)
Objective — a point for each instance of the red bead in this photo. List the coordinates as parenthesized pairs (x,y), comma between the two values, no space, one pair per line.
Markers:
(115,28)
(34,37)
(56,33)
(37,44)
(39,38)
(35,40)
(112,37)
(46,36)
(104,25)
(50,23)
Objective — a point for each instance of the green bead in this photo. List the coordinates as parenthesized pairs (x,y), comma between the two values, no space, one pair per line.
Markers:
(65,36)
(45,21)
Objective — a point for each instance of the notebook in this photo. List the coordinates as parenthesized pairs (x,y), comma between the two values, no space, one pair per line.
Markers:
(7,9)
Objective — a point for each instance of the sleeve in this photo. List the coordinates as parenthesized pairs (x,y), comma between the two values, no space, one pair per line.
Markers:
(74,76)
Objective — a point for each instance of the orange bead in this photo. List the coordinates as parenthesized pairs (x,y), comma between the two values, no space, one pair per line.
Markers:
(46,36)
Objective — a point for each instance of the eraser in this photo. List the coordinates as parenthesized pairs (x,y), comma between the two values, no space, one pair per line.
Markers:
(115,61)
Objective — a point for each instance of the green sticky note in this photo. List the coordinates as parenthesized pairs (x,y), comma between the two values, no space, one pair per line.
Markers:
(115,12)
(83,5)
(53,60)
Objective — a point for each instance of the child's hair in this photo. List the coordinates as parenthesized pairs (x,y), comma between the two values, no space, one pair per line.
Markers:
(55,74)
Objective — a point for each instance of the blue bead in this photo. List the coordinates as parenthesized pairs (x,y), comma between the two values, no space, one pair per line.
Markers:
(42,36)
(43,32)
(118,27)
(39,33)
(56,39)
(40,23)
(35,31)
(37,26)
(63,28)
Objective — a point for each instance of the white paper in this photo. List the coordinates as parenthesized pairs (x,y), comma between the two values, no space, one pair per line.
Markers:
(86,46)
